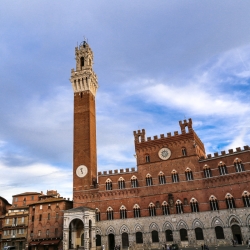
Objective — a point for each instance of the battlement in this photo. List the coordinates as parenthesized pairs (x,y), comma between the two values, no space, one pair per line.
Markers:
(112,172)
(140,135)
(223,153)
(185,124)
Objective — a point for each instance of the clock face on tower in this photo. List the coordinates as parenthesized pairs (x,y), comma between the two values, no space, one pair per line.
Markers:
(164,153)
(81,171)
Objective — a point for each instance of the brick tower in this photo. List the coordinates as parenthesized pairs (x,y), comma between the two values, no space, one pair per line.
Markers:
(84,83)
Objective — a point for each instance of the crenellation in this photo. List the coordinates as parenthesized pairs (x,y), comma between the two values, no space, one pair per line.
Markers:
(99,173)
(185,124)
(110,171)
(121,170)
(161,135)
(238,149)
(169,134)
(116,171)
(155,137)
(139,136)
(148,138)
(223,153)
(127,169)
(176,133)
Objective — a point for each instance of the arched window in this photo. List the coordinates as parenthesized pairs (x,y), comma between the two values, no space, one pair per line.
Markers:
(169,235)
(108,184)
(110,213)
(175,177)
(222,168)
(183,234)
(149,181)
(207,171)
(97,214)
(238,165)
(213,203)
(189,174)
(165,208)
(134,181)
(161,177)
(151,209)
(139,238)
(155,237)
(179,207)
(137,211)
(121,183)
(246,198)
(82,61)
(123,212)
(230,201)
(98,240)
(184,151)
(194,205)
(147,158)
(199,233)
(219,233)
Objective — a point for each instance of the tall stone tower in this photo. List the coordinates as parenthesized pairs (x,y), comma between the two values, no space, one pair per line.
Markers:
(84,83)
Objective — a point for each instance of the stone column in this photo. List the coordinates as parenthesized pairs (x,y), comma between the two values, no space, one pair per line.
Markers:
(93,238)
(73,237)
(65,239)
(86,235)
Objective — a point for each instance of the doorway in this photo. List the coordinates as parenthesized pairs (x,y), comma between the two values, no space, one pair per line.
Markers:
(111,241)
(237,234)
(125,243)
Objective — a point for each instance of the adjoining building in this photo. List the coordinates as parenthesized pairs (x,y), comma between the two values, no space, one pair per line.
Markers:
(45,226)
(177,193)
(4,207)
(15,220)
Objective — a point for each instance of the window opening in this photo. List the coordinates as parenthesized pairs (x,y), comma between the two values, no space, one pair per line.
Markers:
(194,205)
(149,181)
(137,211)
(179,207)
(230,201)
(108,184)
(134,182)
(110,213)
(151,209)
(213,203)
(162,179)
(165,208)
(121,183)
(123,212)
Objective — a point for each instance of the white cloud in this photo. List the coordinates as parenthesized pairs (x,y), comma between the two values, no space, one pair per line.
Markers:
(34,178)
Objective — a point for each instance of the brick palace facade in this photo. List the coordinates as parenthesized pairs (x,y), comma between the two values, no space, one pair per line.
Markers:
(176,194)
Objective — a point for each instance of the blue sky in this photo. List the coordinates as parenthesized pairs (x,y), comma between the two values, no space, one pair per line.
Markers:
(157,62)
